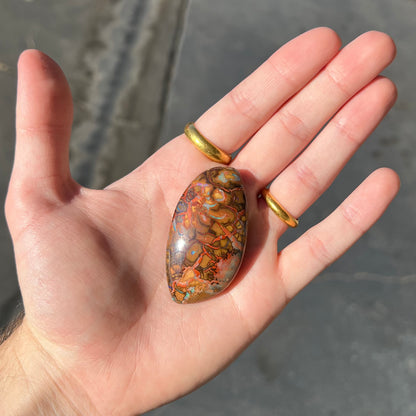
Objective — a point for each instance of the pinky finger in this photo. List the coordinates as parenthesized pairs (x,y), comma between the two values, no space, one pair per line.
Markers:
(330,239)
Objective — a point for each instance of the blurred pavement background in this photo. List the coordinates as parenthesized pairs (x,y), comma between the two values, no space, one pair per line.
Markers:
(139,70)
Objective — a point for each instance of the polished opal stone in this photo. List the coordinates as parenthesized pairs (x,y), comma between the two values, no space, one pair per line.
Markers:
(207,237)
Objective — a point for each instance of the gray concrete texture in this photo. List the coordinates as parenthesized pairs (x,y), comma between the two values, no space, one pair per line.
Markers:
(140,70)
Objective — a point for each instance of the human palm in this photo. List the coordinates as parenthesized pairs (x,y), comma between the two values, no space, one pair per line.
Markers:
(91,263)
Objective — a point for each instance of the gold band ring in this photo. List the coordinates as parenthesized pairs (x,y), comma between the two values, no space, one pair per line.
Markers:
(205,146)
(278,209)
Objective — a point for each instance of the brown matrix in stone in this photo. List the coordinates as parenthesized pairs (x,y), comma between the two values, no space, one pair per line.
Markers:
(207,237)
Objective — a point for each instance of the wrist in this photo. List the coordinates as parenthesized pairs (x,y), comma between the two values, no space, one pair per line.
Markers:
(32,382)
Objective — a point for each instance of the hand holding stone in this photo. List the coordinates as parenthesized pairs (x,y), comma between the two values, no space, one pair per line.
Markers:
(91,263)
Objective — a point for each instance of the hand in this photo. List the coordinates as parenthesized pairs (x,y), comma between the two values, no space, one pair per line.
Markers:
(91,263)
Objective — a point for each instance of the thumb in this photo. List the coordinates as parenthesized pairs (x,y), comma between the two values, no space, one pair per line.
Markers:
(43,128)
(43,119)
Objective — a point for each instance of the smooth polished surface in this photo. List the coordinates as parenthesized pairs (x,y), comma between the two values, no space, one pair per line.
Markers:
(209,149)
(207,237)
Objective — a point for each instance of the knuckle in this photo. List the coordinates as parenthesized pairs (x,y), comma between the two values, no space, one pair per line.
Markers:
(282,70)
(20,197)
(244,103)
(25,205)
(306,176)
(337,78)
(353,217)
(46,130)
(294,125)
(23,198)
(345,131)
(319,249)
(19,206)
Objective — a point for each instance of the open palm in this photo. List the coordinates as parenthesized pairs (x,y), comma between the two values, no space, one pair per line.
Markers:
(91,263)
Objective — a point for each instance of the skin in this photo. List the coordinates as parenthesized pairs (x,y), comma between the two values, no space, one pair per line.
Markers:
(100,331)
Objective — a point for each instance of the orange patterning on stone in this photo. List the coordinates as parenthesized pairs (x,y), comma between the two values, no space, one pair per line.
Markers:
(207,237)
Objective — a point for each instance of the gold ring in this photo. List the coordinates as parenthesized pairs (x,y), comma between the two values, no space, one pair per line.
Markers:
(205,146)
(278,209)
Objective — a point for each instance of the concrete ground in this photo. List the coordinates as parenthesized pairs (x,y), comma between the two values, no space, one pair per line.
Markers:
(347,344)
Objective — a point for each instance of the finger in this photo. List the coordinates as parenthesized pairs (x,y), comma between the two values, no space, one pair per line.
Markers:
(237,116)
(43,124)
(301,118)
(234,119)
(304,180)
(327,241)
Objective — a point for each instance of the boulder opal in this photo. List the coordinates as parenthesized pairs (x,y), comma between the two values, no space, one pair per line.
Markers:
(207,237)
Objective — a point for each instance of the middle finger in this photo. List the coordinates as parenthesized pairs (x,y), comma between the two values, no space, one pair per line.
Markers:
(298,121)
